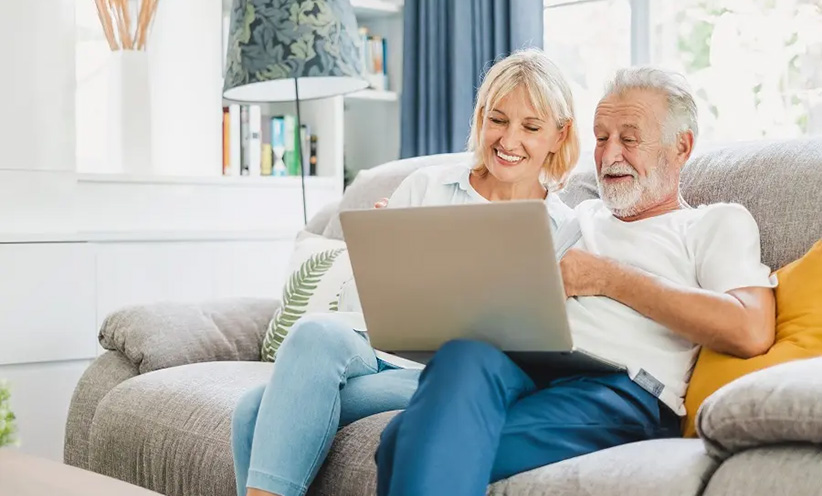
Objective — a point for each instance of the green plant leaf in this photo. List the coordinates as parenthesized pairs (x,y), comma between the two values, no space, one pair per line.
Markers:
(297,295)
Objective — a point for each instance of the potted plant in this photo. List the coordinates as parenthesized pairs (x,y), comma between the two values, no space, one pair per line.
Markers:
(7,427)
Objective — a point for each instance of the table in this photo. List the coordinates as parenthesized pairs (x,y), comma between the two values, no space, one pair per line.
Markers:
(25,475)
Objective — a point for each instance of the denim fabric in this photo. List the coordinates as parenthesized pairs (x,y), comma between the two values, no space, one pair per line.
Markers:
(325,377)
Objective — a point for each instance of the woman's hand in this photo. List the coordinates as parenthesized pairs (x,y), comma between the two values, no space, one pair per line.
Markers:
(585,274)
(381,203)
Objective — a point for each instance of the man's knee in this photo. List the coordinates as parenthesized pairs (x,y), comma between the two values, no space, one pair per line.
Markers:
(468,357)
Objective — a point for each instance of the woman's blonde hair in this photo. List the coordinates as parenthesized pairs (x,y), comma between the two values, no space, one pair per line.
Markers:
(549,94)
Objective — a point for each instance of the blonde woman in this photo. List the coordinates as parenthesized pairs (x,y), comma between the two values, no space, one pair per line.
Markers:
(524,142)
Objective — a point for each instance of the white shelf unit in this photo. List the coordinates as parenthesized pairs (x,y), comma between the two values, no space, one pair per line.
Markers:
(372,118)
(361,129)
(375,9)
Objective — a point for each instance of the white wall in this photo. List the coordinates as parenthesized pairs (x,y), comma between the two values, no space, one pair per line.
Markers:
(74,247)
(186,73)
(37,84)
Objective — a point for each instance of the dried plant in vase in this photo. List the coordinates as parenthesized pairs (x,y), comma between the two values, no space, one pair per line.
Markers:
(116,16)
(126,24)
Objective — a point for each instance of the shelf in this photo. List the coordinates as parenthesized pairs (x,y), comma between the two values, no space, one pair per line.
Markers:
(373,95)
(257,181)
(283,234)
(375,9)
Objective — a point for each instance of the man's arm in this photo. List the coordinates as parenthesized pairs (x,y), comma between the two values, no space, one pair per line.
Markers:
(739,322)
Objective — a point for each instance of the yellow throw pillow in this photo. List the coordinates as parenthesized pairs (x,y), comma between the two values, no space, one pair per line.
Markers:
(798,334)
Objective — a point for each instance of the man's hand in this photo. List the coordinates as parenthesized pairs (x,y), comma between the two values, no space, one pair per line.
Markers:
(381,203)
(585,274)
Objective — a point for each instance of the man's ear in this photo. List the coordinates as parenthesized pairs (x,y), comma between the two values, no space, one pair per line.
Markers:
(684,146)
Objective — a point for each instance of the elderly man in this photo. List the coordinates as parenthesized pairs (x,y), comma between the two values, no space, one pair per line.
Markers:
(650,280)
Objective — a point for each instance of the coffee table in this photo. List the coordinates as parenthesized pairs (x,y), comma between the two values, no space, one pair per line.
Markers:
(25,475)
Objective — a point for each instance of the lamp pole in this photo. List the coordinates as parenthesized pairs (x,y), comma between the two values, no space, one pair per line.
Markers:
(298,132)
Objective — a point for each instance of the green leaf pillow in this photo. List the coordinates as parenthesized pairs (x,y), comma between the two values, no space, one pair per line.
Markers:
(319,268)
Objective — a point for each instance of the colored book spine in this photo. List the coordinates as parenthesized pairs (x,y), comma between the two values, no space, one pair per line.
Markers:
(235,142)
(244,157)
(226,142)
(278,146)
(255,144)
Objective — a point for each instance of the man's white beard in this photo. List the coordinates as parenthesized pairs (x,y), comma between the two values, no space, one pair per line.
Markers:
(627,199)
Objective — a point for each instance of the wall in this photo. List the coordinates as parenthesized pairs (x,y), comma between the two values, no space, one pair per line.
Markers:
(37,85)
(76,245)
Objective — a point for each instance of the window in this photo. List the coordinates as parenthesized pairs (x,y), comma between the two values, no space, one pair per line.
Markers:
(755,66)
(589,41)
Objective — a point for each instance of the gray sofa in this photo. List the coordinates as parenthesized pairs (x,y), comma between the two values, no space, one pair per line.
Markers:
(155,409)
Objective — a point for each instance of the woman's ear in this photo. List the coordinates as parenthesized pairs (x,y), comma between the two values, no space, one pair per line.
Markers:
(562,136)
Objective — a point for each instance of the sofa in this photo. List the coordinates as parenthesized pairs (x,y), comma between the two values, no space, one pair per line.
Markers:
(154,410)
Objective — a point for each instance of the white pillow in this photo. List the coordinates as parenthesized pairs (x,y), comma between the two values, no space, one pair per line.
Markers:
(318,270)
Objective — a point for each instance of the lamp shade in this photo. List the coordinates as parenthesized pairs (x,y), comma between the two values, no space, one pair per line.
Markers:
(272,42)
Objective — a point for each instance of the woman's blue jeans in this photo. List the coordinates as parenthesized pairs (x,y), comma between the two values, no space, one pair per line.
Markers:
(326,376)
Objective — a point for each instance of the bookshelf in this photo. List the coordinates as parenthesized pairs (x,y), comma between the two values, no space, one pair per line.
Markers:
(371,117)
(359,130)
(375,9)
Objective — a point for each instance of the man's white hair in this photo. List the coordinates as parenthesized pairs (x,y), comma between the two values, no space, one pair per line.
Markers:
(682,114)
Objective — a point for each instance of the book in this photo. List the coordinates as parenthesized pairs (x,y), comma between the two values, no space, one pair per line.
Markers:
(234,139)
(244,137)
(226,142)
(278,146)
(312,157)
(305,146)
(255,145)
(266,164)
(292,145)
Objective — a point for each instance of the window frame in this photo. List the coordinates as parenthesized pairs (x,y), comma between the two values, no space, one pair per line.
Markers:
(640,26)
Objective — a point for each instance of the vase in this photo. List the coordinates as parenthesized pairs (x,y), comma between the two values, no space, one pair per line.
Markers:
(129,113)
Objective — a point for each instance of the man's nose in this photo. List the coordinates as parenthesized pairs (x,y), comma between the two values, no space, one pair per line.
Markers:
(612,152)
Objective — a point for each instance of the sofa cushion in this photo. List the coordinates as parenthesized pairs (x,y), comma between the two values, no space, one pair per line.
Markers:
(318,270)
(779,182)
(164,335)
(170,430)
(793,470)
(372,185)
(779,404)
(798,333)
(318,222)
(669,466)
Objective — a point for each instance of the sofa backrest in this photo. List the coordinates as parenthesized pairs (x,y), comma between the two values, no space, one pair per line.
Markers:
(780,182)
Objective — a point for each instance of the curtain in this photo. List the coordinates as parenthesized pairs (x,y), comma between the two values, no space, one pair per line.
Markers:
(448,45)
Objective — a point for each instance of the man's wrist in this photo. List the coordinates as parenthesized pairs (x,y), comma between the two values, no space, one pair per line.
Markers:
(613,275)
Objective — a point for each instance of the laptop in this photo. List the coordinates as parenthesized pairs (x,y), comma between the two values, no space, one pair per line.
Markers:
(487,272)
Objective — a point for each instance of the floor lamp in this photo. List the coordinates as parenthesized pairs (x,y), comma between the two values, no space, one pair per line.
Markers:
(292,50)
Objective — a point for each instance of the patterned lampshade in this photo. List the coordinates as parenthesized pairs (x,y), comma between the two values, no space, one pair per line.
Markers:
(271,42)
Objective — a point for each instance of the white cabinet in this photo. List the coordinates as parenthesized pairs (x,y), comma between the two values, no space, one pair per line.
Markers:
(54,297)
(40,397)
(188,271)
(46,298)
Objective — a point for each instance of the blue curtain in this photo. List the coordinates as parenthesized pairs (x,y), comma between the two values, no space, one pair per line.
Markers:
(448,44)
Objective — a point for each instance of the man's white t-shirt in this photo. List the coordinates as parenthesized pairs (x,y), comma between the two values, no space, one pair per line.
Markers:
(713,247)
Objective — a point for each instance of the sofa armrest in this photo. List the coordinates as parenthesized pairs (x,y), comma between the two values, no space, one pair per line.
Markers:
(104,374)
(776,405)
(165,335)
